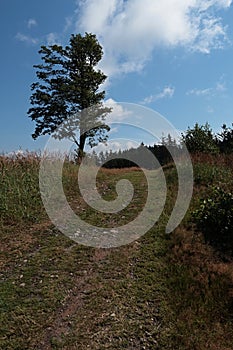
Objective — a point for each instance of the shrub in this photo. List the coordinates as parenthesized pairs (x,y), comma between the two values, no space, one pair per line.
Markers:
(200,139)
(214,218)
(205,174)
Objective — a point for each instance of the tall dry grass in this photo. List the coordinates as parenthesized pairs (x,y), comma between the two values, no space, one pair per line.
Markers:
(225,160)
(19,188)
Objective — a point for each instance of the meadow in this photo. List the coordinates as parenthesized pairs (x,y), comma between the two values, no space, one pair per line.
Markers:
(159,292)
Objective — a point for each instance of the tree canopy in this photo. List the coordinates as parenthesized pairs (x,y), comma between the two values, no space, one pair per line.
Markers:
(200,138)
(225,139)
(66,98)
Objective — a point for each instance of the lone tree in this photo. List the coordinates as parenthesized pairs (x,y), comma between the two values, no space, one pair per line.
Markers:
(67,98)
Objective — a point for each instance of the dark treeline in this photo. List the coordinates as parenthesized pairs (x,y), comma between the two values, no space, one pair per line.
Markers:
(148,157)
(199,139)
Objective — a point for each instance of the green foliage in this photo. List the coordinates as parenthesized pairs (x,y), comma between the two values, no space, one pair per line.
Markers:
(214,218)
(206,174)
(68,86)
(225,140)
(200,139)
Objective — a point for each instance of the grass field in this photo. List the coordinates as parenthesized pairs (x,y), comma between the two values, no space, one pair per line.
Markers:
(160,292)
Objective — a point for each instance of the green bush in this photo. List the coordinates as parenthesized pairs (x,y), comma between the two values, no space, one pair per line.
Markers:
(214,218)
(209,174)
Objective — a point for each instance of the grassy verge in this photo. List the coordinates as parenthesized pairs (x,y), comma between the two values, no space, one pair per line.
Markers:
(200,279)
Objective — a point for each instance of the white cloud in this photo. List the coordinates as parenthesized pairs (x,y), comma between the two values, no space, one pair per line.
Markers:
(115,145)
(118,113)
(200,92)
(52,39)
(131,30)
(31,23)
(69,24)
(167,92)
(26,39)
(219,88)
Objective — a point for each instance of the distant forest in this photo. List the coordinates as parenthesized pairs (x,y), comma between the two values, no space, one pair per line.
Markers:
(199,139)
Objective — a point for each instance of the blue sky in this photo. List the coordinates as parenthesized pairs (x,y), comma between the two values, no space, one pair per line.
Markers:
(174,56)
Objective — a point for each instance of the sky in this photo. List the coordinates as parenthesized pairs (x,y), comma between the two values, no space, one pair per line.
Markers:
(172,56)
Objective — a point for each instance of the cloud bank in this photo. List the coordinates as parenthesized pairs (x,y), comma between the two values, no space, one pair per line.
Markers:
(131,30)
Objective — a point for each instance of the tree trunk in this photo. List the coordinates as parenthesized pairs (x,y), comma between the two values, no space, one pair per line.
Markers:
(82,140)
